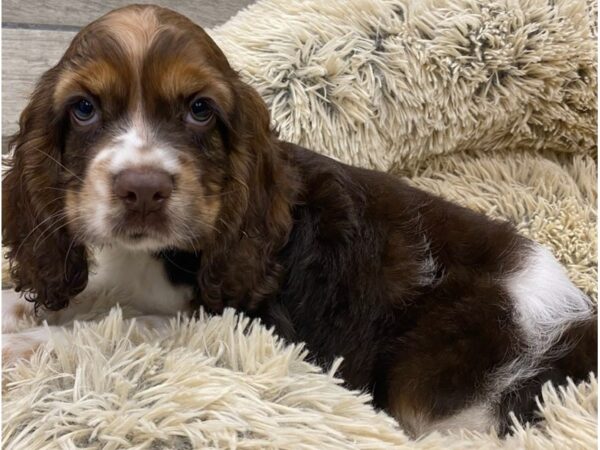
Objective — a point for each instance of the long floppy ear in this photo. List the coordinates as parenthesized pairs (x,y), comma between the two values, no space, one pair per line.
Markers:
(45,261)
(240,269)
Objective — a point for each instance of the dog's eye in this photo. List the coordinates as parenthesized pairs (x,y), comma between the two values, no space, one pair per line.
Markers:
(200,112)
(84,111)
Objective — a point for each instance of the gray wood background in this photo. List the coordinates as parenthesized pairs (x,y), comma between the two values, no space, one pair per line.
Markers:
(37,32)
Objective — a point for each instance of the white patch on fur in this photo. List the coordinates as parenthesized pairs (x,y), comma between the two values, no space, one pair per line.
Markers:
(429,266)
(131,150)
(480,418)
(546,301)
(546,304)
(134,279)
(131,139)
(135,148)
(145,279)
(510,375)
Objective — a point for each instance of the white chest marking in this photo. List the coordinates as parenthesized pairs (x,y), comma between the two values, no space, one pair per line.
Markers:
(134,279)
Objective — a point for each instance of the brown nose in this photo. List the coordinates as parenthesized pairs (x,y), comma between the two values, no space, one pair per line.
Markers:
(143,191)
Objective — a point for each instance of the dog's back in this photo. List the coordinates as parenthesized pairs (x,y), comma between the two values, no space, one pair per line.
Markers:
(449,318)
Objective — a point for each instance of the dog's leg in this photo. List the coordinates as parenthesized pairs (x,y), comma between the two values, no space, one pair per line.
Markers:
(15,310)
(23,344)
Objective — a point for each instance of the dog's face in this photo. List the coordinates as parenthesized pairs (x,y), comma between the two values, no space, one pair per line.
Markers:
(142,136)
(146,101)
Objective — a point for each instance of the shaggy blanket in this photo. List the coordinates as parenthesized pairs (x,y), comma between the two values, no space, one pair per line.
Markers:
(490,103)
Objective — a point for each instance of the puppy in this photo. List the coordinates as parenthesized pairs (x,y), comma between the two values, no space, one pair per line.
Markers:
(145,172)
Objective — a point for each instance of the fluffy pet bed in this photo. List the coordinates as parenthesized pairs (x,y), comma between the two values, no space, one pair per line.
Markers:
(491,103)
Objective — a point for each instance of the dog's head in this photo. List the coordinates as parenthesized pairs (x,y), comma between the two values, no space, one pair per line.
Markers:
(141,136)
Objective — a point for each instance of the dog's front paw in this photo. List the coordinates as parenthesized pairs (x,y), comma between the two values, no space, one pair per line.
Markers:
(22,345)
(15,312)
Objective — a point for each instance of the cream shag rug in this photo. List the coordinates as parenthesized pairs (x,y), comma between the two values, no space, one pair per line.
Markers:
(491,103)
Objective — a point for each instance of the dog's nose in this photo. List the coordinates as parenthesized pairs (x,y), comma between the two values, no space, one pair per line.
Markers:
(143,190)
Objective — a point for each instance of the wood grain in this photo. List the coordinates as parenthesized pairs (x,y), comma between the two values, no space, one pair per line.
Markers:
(26,54)
(77,13)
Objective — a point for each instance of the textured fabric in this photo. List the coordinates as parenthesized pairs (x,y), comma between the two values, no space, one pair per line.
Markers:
(221,382)
(489,103)
(389,82)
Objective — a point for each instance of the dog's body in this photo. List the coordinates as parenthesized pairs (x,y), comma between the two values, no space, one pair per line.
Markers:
(449,318)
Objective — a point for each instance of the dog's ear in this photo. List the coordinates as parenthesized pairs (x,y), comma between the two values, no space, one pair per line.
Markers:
(259,159)
(240,270)
(45,261)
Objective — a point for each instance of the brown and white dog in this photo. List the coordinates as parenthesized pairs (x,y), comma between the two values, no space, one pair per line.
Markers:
(145,172)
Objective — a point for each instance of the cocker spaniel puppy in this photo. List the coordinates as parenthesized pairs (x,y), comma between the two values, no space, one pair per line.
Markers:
(145,172)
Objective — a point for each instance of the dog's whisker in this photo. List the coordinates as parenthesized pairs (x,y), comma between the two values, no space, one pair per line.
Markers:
(56,215)
(59,189)
(220,194)
(67,256)
(52,229)
(66,169)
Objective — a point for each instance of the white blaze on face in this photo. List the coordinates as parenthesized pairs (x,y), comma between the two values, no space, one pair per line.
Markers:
(133,149)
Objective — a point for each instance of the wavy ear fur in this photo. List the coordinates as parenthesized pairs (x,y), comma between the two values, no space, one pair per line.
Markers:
(45,262)
(240,268)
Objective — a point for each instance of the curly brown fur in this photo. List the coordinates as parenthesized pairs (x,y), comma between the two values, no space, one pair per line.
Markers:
(46,262)
(239,268)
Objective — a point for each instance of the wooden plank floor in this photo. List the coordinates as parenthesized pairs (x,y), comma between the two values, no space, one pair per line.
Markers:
(37,32)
